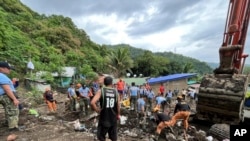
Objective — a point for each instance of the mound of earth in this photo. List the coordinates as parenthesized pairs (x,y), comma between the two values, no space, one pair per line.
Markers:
(59,126)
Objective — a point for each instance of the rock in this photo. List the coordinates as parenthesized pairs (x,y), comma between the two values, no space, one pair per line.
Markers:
(209,138)
(170,137)
(47,118)
(200,135)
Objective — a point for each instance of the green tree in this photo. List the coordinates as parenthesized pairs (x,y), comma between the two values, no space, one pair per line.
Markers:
(149,64)
(188,67)
(119,62)
(174,67)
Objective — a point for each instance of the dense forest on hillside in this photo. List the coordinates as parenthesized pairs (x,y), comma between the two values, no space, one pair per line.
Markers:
(177,62)
(52,42)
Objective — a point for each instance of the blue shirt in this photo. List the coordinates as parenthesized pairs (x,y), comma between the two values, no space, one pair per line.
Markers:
(141,104)
(4,80)
(95,87)
(71,91)
(142,91)
(160,99)
(134,91)
(84,91)
(151,94)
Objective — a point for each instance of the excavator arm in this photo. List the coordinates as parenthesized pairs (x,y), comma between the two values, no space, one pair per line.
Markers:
(231,52)
(222,94)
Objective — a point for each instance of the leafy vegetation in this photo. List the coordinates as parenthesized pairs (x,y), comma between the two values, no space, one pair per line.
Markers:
(53,42)
(163,63)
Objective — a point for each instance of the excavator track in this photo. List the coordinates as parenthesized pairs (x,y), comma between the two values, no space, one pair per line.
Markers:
(221,98)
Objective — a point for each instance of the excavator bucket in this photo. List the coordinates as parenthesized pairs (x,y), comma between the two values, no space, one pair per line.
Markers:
(221,98)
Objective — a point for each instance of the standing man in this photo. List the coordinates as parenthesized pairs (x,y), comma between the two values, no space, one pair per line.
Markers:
(169,96)
(161,89)
(141,108)
(85,94)
(142,90)
(151,96)
(133,95)
(7,97)
(109,110)
(120,88)
(72,97)
(49,100)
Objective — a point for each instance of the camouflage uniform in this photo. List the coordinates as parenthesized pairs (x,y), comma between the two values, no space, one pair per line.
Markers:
(84,99)
(11,111)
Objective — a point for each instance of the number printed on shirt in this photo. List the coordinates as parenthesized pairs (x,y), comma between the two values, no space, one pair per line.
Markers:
(110,102)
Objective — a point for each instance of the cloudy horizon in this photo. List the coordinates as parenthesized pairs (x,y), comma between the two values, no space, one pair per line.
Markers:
(191,28)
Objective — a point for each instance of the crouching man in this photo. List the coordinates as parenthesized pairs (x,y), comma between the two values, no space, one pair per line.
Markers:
(181,112)
(162,120)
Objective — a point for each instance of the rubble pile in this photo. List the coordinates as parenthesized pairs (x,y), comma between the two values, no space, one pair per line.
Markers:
(65,125)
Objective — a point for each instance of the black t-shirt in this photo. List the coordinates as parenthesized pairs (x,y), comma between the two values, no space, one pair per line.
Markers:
(49,96)
(108,103)
(162,117)
(77,92)
(181,106)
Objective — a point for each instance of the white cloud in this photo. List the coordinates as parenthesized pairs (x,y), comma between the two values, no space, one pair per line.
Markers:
(192,28)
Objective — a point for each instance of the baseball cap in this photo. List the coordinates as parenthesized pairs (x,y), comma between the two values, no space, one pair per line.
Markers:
(179,97)
(5,65)
(156,109)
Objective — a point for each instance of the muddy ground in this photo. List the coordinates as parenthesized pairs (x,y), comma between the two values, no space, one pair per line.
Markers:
(59,126)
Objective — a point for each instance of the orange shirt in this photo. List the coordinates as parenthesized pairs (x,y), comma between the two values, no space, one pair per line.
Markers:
(120,85)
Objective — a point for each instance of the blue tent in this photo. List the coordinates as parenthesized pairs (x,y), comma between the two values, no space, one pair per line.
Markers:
(171,77)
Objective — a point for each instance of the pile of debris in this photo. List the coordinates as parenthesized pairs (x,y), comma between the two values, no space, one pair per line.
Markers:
(66,125)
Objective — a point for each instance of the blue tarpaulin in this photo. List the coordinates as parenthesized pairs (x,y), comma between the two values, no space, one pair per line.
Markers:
(171,77)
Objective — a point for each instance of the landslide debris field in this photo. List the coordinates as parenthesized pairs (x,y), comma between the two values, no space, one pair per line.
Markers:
(63,125)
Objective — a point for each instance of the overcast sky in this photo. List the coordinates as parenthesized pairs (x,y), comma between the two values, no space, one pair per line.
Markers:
(192,28)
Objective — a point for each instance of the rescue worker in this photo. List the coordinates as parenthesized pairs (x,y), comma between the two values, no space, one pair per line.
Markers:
(141,108)
(72,96)
(161,89)
(109,110)
(162,120)
(85,94)
(49,100)
(7,97)
(160,102)
(133,95)
(181,112)
(120,88)
(78,86)
(150,97)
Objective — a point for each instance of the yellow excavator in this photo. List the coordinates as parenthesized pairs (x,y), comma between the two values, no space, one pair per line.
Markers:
(222,94)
